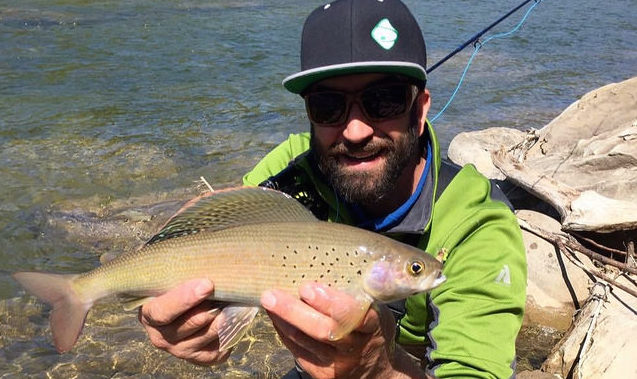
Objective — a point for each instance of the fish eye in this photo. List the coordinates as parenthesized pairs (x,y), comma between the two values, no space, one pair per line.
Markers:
(416,267)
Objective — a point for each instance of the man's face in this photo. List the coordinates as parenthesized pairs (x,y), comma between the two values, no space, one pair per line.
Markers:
(364,160)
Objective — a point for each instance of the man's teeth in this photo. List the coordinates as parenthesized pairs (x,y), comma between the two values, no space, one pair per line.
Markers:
(362,157)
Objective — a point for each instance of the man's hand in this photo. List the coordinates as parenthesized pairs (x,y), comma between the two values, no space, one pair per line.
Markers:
(181,323)
(304,326)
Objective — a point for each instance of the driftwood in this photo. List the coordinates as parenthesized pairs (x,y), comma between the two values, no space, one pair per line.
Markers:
(568,244)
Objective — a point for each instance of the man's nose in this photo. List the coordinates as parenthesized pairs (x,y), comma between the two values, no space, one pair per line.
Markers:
(357,129)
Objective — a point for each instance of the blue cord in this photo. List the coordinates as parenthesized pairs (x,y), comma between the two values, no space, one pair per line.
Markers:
(477,47)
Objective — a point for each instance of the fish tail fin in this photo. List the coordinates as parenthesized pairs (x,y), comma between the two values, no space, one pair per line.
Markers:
(69,308)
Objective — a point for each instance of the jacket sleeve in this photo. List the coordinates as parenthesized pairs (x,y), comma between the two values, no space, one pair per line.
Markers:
(475,316)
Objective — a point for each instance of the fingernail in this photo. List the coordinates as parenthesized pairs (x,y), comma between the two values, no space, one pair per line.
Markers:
(203,288)
(307,293)
(321,290)
(268,300)
(214,311)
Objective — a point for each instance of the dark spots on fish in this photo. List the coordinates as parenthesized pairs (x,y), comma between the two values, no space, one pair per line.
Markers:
(322,263)
(351,263)
(333,250)
(364,260)
(272,255)
(322,276)
(296,251)
(348,281)
(337,259)
(316,248)
(329,284)
(294,266)
(331,263)
(283,265)
(314,258)
(285,257)
(294,281)
(347,253)
(359,272)
(302,276)
(328,270)
(311,265)
(356,253)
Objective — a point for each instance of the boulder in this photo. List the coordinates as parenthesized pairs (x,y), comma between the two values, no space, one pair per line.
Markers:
(583,163)
(556,287)
(476,147)
(601,343)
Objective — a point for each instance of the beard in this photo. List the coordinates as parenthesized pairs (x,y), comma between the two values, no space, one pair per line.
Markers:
(372,186)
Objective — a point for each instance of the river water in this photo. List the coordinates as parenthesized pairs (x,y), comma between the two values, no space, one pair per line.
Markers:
(106,101)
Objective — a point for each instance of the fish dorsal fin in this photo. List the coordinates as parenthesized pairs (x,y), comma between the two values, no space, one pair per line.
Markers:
(233,207)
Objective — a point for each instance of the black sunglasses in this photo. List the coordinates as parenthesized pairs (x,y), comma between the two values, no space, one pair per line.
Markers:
(379,102)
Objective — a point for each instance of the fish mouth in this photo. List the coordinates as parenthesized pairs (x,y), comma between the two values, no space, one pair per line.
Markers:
(439,280)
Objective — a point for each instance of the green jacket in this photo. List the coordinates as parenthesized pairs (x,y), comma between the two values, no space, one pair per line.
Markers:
(469,324)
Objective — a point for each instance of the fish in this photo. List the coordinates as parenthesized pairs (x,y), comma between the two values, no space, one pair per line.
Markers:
(245,240)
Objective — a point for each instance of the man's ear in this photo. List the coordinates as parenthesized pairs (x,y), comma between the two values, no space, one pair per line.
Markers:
(423,102)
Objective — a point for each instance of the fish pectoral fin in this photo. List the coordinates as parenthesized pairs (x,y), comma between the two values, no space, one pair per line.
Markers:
(130,302)
(349,317)
(233,323)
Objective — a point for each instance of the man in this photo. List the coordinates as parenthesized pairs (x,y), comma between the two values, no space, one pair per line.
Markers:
(373,160)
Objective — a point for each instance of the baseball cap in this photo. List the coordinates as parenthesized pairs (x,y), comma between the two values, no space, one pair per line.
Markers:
(359,36)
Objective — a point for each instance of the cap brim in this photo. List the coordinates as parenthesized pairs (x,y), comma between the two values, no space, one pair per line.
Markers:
(298,82)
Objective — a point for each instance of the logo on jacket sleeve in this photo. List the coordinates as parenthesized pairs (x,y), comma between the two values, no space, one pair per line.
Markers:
(504,277)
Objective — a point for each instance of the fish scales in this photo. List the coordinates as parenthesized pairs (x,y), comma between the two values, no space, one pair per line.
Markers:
(245,241)
(242,261)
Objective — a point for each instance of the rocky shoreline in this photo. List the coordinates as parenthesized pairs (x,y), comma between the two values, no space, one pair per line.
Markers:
(573,185)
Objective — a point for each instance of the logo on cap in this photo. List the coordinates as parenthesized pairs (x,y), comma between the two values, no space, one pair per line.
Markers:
(385,34)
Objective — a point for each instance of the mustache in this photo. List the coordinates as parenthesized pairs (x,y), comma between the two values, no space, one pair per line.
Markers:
(343,148)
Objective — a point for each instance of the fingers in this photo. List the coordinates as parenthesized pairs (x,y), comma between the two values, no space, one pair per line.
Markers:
(298,314)
(166,308)
(181,322)
(309,319)
(304,327)
(346,309)
(300,345)
(191,323)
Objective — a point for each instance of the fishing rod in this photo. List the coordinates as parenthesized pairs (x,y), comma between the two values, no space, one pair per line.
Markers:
(477,36)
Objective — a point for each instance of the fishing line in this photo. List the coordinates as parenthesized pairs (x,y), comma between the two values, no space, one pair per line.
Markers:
(477,46)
